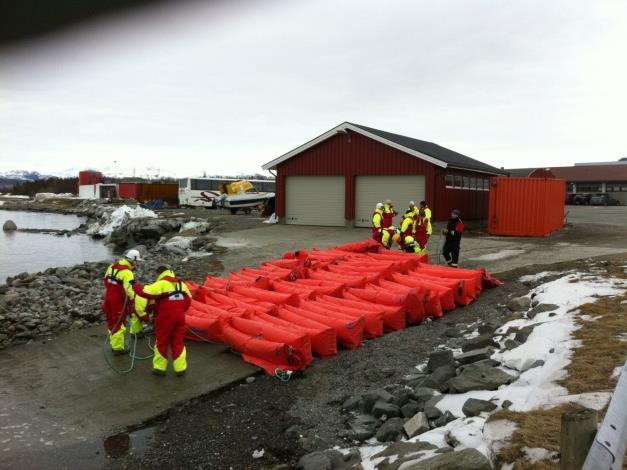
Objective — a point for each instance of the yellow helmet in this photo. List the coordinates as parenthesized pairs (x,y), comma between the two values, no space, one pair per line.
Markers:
(409,239)
(396,237)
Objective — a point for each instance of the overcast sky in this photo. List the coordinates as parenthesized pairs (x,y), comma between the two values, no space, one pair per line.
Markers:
(226,87)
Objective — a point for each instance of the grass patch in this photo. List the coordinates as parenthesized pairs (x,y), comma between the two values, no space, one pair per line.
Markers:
(591,367)
(590,370)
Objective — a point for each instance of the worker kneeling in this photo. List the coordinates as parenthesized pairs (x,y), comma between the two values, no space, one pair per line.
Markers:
(390,236)
(410,245)
(170,298)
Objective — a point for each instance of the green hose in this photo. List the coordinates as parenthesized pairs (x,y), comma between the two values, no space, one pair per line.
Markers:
(132,353)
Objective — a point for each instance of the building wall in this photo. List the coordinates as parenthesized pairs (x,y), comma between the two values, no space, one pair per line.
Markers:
(353,154)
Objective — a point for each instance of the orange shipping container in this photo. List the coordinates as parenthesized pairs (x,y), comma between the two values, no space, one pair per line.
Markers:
(526,207)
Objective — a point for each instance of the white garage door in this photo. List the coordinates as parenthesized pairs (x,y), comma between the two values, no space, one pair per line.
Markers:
(372,189)
(314,200)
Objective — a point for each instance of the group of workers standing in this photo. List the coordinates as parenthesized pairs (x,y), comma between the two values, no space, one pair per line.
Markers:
(164,303)
(415,230)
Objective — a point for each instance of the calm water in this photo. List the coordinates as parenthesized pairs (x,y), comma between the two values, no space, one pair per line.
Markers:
(33,252)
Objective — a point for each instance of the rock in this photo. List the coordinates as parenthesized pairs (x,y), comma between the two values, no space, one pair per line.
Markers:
(506,404)
(370,398)
(403,397)
(479,342)
(439,359)
(474,355)
(424,394)
(250,380)
(441,376)
(294,432)
(443,420)
(431,410)
(487,329)
(416,425)
(381,408)
(444,450)
(9,226)
(482,377)
(533,365)
(452,333)
(364,427)
(352,403)
(540,308)
(474,406)
(409,409)
(467,459)
(518,304)
(511,344)
(390,430)
(523,334)
(325,460)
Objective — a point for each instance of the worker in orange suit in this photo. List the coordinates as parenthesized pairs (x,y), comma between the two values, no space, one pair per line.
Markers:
(119,300)
(170,298)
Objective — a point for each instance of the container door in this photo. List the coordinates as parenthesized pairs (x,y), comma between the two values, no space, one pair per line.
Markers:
(399,188)
(314,200)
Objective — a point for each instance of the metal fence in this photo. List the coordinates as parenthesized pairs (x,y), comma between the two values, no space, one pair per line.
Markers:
(608,449)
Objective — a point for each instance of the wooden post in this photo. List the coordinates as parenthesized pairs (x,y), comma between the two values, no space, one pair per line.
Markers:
(576,437)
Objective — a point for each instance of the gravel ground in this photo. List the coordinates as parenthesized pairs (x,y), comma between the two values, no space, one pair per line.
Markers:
(223,430)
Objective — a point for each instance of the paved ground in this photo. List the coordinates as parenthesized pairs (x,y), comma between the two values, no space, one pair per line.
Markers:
(58,400)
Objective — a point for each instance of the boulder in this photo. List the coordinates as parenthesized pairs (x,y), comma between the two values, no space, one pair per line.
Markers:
(441,375)
(416,425)
(381,408)
(390,430)
(439,359)
(403,397)
(431,410)
(9,226)
(474,406)
(519,304)
(424,394)
(363,427)
(540,308)
(409,409)
(352,403)
(511,344)
(467,459)
(370,398)
(523,334)
(452,333)
(397,453)
(506,404)
(487,328)
(479,342)
(481,377)
(532,365)
(474,355)
(325,460)
(443,420)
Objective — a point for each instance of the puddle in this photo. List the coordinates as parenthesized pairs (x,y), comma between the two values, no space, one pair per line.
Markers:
(128,443)
(232,242)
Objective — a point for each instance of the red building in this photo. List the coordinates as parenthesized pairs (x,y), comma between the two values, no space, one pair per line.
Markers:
(337,178)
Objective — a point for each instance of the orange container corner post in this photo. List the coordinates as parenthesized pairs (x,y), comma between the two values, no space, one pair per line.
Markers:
(526,207)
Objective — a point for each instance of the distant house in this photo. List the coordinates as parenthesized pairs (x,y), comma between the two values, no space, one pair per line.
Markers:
(604,177)
(337,178)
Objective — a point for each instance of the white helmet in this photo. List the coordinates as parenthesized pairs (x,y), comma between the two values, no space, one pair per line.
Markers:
(133,255)
(379,205)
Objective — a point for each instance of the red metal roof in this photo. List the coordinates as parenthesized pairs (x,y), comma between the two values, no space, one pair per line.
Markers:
(595,173)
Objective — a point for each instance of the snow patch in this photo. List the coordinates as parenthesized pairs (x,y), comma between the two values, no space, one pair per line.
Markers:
(273,219)
(498,255)
(616,372)
(533,454)
(117,217)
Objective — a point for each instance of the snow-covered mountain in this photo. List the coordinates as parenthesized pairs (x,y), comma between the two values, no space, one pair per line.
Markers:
(121,172)
(11,177)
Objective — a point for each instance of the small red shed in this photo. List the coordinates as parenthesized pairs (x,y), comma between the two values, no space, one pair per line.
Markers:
(337,178)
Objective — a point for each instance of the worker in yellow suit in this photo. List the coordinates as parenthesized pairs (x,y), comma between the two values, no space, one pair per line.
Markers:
(425,216)
(377,222)
(171,298)
(410,245)
(390,236)
(119,300)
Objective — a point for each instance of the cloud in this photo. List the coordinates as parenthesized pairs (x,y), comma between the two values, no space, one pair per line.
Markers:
(227,86)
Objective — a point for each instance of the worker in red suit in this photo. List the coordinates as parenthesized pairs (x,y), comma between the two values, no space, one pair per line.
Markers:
(377,222)
(170,298)
(119,300)
(388,213)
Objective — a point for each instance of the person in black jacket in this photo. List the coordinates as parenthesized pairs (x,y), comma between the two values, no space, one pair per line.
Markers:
(453,233)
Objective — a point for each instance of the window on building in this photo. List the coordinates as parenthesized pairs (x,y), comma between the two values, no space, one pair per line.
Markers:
(458,181)
(449,181)
(623,187)
(472,183)
(486,184)
(466,182)
(588,187)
